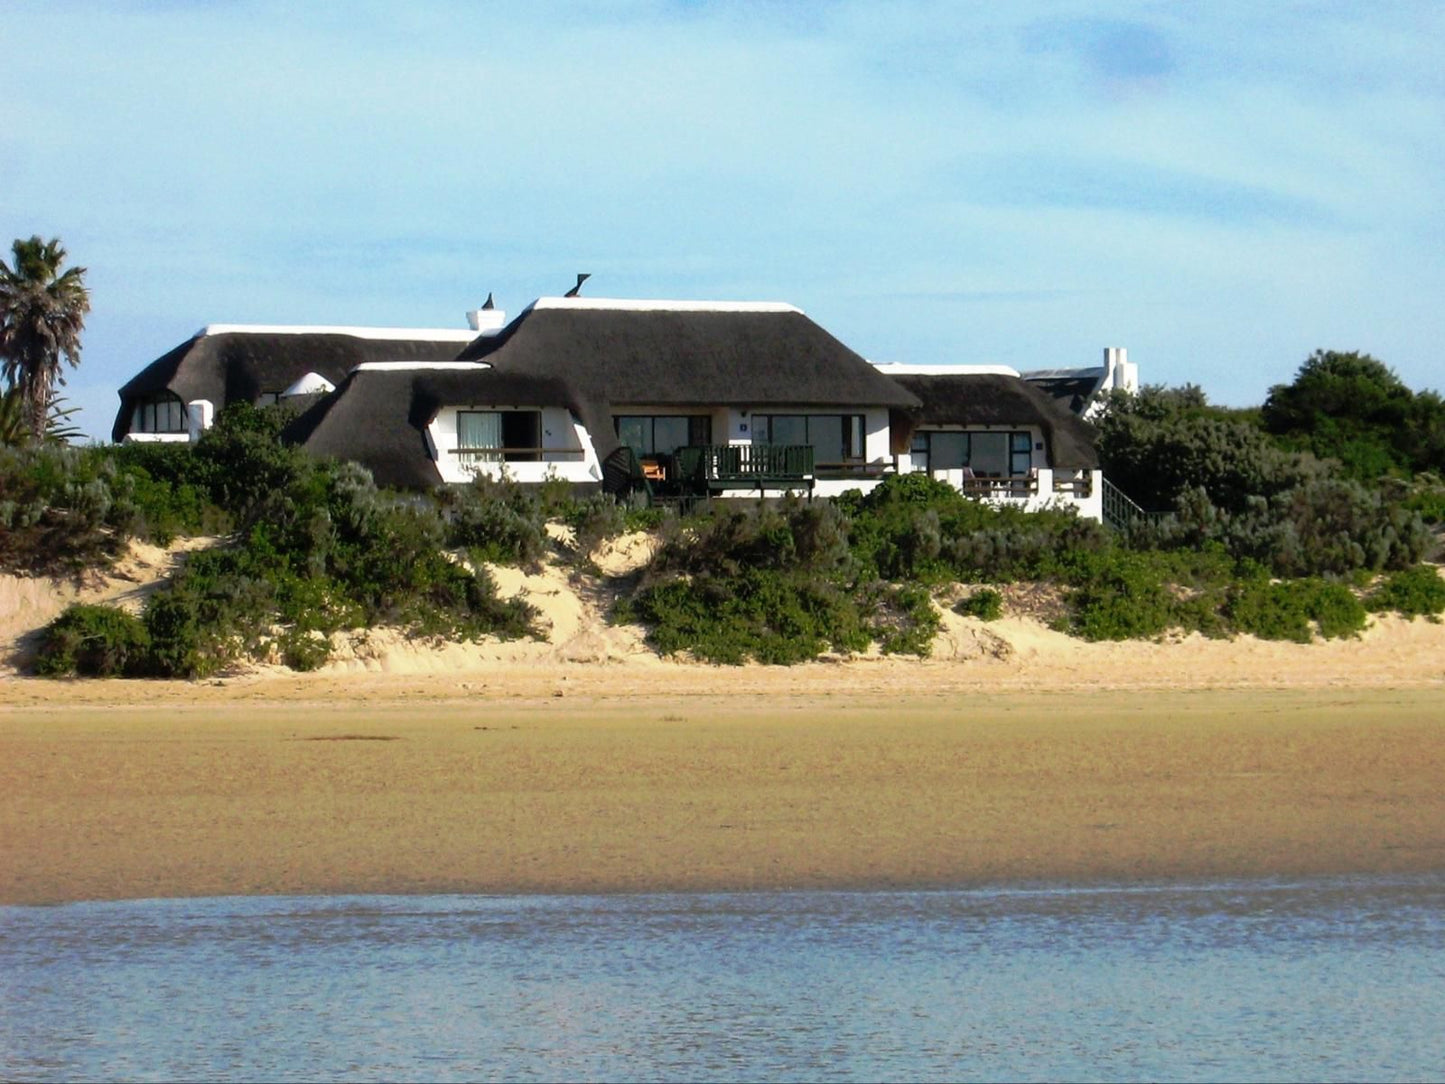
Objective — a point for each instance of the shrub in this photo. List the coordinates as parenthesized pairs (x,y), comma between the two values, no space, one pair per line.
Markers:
(496,521)
(1413,592)
(1293,610)
(985,603)
(94,641)
(304,651)
(1123,598)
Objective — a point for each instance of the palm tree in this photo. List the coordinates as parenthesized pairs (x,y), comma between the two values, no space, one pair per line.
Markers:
(42,312)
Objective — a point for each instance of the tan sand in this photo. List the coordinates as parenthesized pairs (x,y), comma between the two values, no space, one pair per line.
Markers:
(410,793)
(588,764)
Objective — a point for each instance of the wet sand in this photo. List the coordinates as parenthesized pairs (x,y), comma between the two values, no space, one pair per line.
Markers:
(608,779)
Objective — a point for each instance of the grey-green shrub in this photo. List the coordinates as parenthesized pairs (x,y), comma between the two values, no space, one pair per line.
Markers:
(94,641)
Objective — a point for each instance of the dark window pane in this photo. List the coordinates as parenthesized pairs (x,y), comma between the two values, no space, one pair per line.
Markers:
(522,429)
(699,429)
(668,435)
(988,454)
(825,434)
(788,429)
(947,451)
(636,433)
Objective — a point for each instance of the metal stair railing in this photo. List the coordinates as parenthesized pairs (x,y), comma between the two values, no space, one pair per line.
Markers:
(1120,510)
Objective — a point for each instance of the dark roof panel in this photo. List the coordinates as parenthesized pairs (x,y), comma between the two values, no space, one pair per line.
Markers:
(1071,390)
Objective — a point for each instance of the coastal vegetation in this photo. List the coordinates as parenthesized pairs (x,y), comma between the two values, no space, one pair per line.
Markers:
(1248,531)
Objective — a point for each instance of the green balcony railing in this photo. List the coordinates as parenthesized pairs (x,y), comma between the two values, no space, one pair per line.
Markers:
(745,464)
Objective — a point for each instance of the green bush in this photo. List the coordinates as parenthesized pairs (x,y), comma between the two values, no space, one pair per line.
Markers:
(1124,598)
(1415,591)
(985,603)
(303,651)
(1294,610)
(496,521)
(94,641)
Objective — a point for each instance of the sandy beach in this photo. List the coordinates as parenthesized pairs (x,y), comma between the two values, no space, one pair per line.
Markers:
(585,763)
(228,790)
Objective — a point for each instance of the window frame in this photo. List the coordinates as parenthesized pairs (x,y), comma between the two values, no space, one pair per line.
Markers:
(1019,448)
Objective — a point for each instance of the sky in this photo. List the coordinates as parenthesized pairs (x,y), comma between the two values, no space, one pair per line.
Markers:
(1221,188)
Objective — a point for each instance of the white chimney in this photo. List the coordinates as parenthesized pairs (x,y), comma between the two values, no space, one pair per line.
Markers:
(1119,373)
(486,320)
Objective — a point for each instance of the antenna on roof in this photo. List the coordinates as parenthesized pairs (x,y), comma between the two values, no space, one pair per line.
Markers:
(581,278)
(489,303)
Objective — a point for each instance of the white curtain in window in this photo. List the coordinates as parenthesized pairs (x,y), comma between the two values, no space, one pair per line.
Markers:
(478,430)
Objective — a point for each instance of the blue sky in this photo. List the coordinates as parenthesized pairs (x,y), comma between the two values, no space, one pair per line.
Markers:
(1221,188)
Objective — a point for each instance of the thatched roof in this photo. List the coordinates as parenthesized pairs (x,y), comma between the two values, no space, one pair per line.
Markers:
(994,399)
(378,415)
(227,363)
(688,354)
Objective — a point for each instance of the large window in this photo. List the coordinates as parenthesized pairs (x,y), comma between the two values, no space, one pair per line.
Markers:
(835,438)
(988,455)
(663,434)
(162,413)
(494,436)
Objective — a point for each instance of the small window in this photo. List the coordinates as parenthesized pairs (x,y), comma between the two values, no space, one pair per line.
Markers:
(160,413)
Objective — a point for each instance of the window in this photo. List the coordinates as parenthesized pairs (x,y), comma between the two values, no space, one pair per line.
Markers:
(492,436)
(988,455)
(160,413)
(835,438)
(663,434)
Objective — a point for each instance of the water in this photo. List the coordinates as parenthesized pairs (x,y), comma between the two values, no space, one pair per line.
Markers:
(1326,980)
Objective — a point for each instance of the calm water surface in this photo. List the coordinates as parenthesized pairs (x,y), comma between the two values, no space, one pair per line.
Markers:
(1326,980)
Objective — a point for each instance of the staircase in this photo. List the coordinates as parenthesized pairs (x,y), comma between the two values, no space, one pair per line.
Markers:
(1120,510)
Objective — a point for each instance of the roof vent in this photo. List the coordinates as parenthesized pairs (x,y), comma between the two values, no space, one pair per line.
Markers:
(582,277)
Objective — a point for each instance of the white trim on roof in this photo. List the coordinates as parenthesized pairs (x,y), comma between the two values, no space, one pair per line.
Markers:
(639,305)
(899,368)
(406,366)
(407,334)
